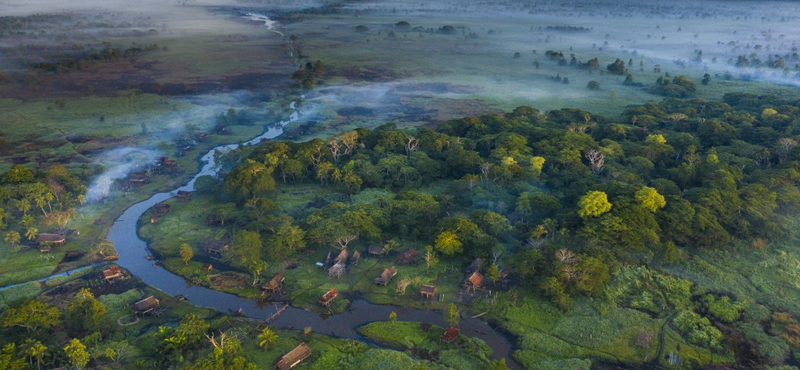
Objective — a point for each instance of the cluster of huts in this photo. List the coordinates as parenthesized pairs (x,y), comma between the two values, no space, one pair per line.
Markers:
(51,239)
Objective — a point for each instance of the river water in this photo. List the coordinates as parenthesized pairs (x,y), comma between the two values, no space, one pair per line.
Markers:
(133,252)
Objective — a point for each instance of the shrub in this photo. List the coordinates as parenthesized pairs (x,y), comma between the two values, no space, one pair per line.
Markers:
(698,329)
(722,308)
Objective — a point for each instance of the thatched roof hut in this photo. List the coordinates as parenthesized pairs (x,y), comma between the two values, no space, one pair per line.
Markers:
(375,250)
(328,297)
(147,306)
(428,291)
(450,335)
(138,178)
(408,256)
(386,276)
(185,195)
(274,285)
(216,247)
(51,239)
(356,257)
(294,357)
(474,281)
(337,270)
(112,274)
(342,257)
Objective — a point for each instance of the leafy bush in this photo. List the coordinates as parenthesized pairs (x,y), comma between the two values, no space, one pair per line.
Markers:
(698,329)
(722,308)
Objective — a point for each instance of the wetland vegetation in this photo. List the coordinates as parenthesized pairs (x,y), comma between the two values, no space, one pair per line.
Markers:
(608,184)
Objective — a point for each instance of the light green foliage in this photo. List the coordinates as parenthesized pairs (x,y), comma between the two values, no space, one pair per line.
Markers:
(189,334)
(246,246)
(643,289)
(76,353)
(698,329)
(554,289)
(493,273)
(655,139)
(722,308)
(32,315)
(267,338)
(85,313)
(537,163)
(451,315)
(186,252)
(650,199)
(593,204)
(448,243)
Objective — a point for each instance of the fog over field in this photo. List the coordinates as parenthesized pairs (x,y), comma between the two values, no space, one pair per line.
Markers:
(413,63)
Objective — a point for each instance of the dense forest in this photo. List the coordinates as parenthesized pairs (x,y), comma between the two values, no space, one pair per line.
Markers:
(570,204)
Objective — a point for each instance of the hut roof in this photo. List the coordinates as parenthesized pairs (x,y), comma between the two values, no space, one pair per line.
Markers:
(184,194)
(386,275)
(50,238)
(342,257)
(276,280)
(356,255)
(450,334)
(329,296)
(111,272)
(476,279)
(408,256)
(375,249)
(215,245)
(146,304)
(428,289)
(294,357)
(336,270)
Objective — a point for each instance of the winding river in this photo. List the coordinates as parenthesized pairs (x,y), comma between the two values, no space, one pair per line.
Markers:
(133,252)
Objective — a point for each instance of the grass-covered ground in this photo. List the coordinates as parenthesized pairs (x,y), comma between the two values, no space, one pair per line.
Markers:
(600,329)
(305,282)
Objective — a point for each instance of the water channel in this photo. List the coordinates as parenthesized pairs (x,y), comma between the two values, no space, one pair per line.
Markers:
(133,252)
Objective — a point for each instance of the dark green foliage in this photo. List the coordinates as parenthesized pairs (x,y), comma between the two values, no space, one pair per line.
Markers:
(678,87)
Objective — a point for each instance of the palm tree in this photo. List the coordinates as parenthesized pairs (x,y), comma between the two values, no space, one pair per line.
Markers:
(35,350)
(13,238)
(267,338)
(40,202)
(24,206)
(31,233)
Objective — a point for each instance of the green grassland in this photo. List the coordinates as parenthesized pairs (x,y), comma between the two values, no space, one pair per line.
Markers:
(480,69)
(305,282)
(601,329)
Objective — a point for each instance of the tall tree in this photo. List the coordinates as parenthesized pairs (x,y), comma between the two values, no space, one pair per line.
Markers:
(246,246)
(447,242)
(267,338)
(451,315)
(85,312)
(32,315)
(76,354)
(186,252)
(593,204)
(35,350)
(430,258)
